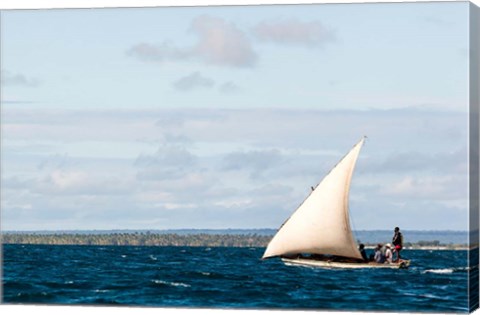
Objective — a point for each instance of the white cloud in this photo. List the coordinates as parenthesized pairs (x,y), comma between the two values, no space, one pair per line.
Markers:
(256,161)
(80,182)
(159,53)
(55,161)
(428,187)
(169,162)
(192,81)
(229,87)
(210,168)
(17,79)
(67,180)
(218,42)
(222,43)
(310,34)
(454,161)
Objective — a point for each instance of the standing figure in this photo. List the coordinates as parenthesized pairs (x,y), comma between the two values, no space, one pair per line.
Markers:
(397,242)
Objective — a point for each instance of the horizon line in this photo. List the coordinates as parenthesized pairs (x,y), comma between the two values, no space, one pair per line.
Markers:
(216,229)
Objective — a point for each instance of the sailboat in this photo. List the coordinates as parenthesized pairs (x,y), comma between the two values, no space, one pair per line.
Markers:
(318,233)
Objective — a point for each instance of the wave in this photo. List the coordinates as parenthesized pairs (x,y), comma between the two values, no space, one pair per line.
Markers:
(174,284)
(446,270)
(33,296)
(227,278)
(438,271)
(427,295)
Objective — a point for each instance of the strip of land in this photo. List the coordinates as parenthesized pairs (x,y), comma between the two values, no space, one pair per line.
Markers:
(173,239)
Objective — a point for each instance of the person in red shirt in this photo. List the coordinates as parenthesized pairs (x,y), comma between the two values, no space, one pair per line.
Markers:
(397,242)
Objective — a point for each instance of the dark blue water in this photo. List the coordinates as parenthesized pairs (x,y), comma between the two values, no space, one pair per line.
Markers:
(226,278)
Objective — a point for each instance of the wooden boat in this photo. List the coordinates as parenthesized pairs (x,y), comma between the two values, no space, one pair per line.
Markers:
(320,226)
(331,264)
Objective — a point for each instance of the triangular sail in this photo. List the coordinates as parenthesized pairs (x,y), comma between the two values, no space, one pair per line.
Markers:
(321,224)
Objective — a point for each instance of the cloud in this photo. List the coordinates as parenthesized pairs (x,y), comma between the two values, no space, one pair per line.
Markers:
(206,164)
(190,187)
(222,43)
(169,162)
(310,34)
(197,80)
(427,187)
(15,182)
(454,161)
(55,161)
(71,182)
(17,79)
(193,81)
(229,87)
(167,156)
(79,182)
(175,139)
(391,132)
(160,53)
(256,161)
(218,42)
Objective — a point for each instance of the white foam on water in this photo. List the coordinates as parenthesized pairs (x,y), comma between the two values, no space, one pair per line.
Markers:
(206,273)
(101,291)
(69,282)
(442,271)
(174,284)
(123,256)
(153,257)
(465,309)
(430,296)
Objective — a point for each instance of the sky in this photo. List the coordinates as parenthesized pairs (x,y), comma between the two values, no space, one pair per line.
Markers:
(223,117)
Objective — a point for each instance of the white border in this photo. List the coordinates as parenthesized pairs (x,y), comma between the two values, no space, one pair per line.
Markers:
(55,4)
(47,4)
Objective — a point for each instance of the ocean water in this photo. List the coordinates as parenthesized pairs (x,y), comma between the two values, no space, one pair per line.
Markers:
(437,281)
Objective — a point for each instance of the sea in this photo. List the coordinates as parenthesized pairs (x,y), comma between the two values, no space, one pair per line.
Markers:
(230,278)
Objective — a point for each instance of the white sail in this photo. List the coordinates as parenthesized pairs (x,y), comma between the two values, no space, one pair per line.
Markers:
(321,224)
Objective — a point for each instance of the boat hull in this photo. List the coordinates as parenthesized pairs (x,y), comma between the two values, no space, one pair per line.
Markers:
(403,264)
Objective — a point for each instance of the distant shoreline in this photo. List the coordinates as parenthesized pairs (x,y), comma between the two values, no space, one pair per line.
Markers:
(442,247)
(173,239)
(202,231)
(459,248)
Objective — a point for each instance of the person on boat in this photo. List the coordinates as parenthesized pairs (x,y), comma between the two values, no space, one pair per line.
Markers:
(379,257)
(397,241)
(362,252)
(388,254)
